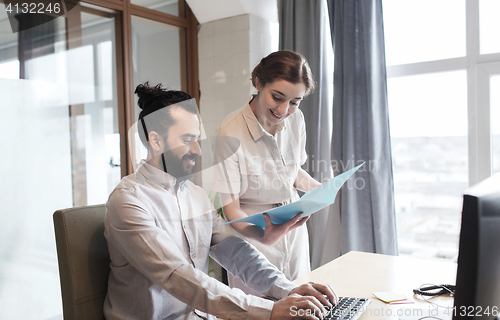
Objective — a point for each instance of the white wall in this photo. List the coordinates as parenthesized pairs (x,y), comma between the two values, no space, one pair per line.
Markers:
(228,50)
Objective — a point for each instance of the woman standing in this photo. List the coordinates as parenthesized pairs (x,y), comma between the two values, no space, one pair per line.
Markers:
(265,170)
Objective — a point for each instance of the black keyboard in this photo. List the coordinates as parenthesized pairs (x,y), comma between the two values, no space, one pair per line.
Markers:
(347,309)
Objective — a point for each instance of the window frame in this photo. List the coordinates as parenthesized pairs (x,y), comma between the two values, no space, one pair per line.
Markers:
(123,11)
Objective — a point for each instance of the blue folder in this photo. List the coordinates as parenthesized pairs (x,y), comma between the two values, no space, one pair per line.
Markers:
(312,201)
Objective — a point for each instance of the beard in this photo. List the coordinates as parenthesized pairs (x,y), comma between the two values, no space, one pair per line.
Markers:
(180,168)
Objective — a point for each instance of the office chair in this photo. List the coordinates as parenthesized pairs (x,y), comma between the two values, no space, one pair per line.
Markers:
(83,257)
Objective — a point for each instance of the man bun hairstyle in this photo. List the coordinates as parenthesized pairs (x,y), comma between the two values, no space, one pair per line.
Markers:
(155,99)
(284,65)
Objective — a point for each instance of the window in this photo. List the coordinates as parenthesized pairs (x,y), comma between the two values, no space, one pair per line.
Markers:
(488,24)
(442,82)
(428,119)
(423,30)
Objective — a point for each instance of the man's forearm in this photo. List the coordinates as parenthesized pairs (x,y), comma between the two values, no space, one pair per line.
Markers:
(243,260)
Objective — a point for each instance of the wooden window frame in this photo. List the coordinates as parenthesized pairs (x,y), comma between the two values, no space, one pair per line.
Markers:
(123,11)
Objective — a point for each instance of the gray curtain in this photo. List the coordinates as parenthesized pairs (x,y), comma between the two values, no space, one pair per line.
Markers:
(304,29)
(361,126)
(362,217)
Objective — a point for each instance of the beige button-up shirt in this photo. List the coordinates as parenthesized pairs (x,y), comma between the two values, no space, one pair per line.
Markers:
(260,169)
(159,240)
(256,166)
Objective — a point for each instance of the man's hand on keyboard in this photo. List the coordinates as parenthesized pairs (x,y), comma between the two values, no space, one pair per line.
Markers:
(305,302)
(296,306)
(319,291)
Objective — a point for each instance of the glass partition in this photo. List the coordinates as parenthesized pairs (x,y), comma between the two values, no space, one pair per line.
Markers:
(60,145)
(156,58)
(99,120)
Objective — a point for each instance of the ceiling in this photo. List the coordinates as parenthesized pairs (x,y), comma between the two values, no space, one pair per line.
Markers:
(210,10)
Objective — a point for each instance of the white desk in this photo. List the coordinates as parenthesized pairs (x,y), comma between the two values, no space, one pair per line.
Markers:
(358,274)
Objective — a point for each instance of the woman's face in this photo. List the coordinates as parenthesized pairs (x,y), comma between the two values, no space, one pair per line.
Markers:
(276,101)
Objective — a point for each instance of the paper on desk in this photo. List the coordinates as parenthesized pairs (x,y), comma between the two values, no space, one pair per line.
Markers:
(312,201)
(392,298)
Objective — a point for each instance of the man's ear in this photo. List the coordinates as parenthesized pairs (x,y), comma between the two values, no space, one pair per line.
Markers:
(155,142)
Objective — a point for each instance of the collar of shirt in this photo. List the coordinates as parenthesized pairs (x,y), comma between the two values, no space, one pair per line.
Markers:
(158,176)
(254,125)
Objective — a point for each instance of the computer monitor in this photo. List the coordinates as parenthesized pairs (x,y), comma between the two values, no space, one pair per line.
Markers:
(477,294)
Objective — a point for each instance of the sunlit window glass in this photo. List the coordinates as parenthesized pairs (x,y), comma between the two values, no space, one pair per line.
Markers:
(423,30)
(489,25)
(428,119)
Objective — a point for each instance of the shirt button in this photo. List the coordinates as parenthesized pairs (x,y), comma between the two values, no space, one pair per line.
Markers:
(185,226)
(194,255)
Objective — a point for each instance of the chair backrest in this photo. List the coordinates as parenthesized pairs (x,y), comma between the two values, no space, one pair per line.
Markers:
(83,257)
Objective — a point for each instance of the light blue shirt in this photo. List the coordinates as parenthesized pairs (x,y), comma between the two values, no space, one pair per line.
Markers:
(159,240)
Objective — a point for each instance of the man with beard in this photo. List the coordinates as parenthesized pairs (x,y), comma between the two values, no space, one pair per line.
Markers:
(161,228)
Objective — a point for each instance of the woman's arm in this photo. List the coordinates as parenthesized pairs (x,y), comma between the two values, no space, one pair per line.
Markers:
(272,233)
(305,182)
